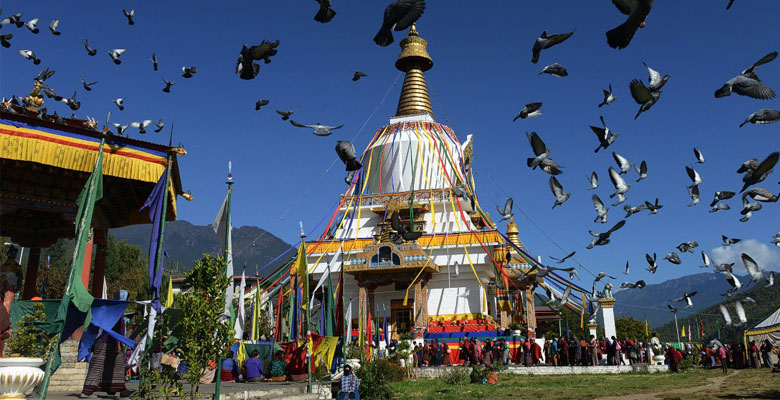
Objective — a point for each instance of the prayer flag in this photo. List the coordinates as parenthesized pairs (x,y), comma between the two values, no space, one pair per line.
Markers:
(301,269)
(690,333)
(348,317)
(701,328)
(169,294)
(683,331)
(156,203)
(647,329)
(256,314)
(223,226)
(384,327)
(239,324)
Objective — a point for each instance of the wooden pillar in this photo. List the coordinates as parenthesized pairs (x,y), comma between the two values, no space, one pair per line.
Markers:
(420,309)
(31,276)
(100,239)
(530,311)
(362,314)
(87,267)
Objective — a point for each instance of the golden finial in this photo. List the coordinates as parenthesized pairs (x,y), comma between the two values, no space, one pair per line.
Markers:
(513,233)
(35,100)
(187,196)
(414,60)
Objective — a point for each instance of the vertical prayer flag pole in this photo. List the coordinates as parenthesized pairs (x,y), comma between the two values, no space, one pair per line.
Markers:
(228,227)
(305,278)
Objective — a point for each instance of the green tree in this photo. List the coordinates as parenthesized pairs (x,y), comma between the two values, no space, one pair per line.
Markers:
(631,328)
(56,275)
(204,334)
(126,268)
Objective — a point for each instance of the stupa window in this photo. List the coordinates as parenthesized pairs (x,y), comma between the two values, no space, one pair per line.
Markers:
(385,258)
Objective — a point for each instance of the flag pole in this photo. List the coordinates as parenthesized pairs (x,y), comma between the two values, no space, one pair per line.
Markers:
(228,226)
(308,315)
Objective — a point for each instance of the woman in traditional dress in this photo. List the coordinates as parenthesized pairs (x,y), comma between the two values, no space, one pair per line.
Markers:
(106,372)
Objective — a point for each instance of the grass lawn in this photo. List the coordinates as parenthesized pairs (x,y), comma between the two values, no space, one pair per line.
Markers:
(747,384)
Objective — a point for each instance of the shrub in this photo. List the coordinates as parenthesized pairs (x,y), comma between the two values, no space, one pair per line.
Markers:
(686,363)
(406,336)
(478,373)
(375,377)
(457,376)
(28,339)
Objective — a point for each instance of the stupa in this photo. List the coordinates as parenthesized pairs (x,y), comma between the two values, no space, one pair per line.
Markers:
(459,275)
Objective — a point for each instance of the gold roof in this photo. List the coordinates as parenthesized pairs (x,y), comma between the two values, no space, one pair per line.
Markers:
(414,60)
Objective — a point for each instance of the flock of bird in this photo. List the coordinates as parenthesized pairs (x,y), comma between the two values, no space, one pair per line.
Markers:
(400,15)
(753,171)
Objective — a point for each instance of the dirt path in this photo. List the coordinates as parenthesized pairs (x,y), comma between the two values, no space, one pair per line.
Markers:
(711,383)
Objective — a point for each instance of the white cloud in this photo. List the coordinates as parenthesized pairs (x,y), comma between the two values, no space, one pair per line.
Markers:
(767,257)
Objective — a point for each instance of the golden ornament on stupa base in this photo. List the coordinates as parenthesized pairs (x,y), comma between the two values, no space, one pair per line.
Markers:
(34,101)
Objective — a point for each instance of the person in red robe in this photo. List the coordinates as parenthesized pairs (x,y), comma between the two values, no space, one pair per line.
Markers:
(674,359)
(537,352)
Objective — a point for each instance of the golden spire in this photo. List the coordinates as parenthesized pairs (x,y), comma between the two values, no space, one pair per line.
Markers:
(414,60)
(513,234)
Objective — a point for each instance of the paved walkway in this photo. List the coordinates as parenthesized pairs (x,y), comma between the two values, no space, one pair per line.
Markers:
(229,390)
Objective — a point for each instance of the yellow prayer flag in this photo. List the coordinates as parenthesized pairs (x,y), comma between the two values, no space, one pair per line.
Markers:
(683,332)
(241,354)
(647,329)
(169,295)
(301,268)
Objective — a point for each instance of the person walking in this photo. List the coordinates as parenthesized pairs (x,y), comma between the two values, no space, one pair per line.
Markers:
(766,350)
(724,359)
(594,352)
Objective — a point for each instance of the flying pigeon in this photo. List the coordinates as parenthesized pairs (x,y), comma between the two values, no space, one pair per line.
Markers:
(722,195)
(325,13)
(555,69)
(90,50)
(770,279)
(4,40)
(53,27)
(633,210)
(319,130)
(246,68)
(154,61)
(541,152)
(129,16)
(572,274)
(546,41)
(672,308)
(757,172)
(725,267)
(30,55)
(621,187)
(187,72)
(358,75)
(601,210)
(402,230)
(687,246)
(115,53)
(673,258)
(32,25)
(602,239)
(168,84)
(399,15)
(594,180)
(348,155)
(641,170)
(728,6)
(699,156)
(637,11)
(751,266)
(141,126)
(608,97)
(748,208)
(602,275)
(720,207)
(652,261)
(727,241)
(622,163)
(760,194)
(15,19)
(605,136)
(643,96)
(762,116)
(160,125)
(530,110)
(285,114)
(740,313)
(687,298)
(653,207)
(626,272)
(260,103)
(120,102)
(87,84)
(747,83)
(506,213)
(120,129)
(733,281)
(655,80)
(44,75)
(562,260)
(705,259)
(695,177)
(694,193)
(557,191)
(70,102)
(640,284)
(725,313)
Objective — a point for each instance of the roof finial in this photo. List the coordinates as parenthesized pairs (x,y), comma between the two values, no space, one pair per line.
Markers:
(414,60)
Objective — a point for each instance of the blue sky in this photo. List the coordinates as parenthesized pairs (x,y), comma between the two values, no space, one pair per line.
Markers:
(481,78)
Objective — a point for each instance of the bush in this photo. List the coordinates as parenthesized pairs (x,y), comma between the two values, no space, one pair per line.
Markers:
(457,376)
(28,339)
(374,379)
(479,373)
(406,336)
(686,363)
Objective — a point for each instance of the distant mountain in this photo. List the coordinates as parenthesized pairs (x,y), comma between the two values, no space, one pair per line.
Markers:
(185,243)
(651,302)
(767,301)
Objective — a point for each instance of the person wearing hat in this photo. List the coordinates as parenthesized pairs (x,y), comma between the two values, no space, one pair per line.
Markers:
(349,385)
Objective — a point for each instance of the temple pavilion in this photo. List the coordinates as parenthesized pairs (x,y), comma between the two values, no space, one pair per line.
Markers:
(45,160)
(460,274)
